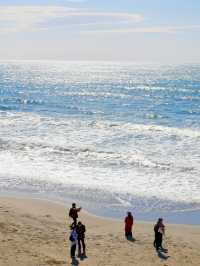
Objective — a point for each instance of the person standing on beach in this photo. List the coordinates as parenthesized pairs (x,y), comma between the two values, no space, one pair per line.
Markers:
(73,238)
(73,213)
(159,230)
(128,226)
(80,229)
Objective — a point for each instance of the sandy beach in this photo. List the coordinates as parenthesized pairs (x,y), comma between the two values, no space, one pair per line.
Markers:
(36,233)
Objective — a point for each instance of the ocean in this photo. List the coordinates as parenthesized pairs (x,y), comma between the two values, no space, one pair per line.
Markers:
(110,136)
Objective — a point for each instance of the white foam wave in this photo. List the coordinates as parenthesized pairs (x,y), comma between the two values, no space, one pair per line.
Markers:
(148,160)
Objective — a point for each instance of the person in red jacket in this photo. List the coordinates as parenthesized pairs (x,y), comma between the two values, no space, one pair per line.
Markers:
(128,225)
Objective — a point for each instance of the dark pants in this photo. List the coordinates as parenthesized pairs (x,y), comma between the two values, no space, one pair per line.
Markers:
(74,221)
(158,241)
(128,234)
(81,242)
(73,251)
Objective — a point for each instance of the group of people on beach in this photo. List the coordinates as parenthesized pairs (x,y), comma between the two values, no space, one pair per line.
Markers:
(78,229)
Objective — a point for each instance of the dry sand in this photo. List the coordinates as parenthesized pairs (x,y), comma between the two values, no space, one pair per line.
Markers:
(35,233)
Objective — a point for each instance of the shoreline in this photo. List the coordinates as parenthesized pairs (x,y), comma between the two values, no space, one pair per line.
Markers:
(67,205)
(36,232)
(182,217)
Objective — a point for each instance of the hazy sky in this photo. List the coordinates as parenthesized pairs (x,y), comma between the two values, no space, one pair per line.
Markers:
(165,31)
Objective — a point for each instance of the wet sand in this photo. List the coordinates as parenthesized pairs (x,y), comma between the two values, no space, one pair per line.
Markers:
(36,233)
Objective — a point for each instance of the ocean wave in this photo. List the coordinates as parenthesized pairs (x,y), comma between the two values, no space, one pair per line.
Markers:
(95,94)
(150,129)
(154,116)
(30,101)
(89,156)
(131,130)
(4,108)
(164,88)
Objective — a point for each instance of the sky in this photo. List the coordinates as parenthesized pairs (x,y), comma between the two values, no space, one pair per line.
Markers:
(160,31)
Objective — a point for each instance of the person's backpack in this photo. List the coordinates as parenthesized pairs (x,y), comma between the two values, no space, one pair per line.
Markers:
(71,238)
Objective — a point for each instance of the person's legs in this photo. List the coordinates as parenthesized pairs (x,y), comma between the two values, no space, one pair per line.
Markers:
(75,221)
(157,244)
(154,242)
(158,240)
(83,245)
(79,247)
(73,251)
(161,238)
(127,234)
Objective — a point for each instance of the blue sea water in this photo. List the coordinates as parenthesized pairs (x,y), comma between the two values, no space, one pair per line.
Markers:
(111,136)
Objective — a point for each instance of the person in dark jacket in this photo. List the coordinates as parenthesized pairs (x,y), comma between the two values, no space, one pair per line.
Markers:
(128,226)
(159,230)
(73,213)
(80,229)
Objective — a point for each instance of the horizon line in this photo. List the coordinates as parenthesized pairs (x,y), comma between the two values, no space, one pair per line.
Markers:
(99,60)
